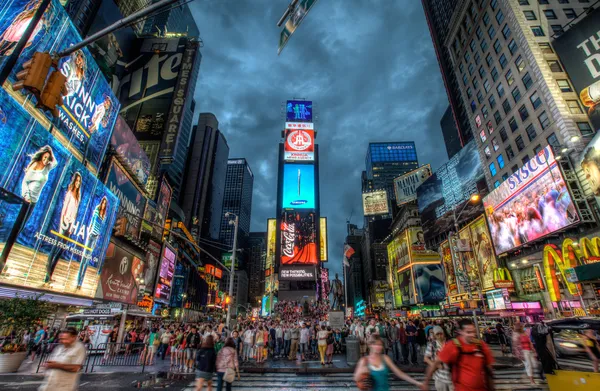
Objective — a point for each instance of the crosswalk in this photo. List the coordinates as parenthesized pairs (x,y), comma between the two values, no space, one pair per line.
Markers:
(505,380)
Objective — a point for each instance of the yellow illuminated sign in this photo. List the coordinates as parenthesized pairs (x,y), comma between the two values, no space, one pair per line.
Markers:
(323,236)
(556,259)
(271,242)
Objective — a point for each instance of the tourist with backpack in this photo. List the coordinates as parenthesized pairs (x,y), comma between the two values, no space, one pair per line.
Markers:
(441,377)
(470,361)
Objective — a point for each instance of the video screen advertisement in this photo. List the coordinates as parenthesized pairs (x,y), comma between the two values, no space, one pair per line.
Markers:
(299,111)
(299,144)
(90,108)
(429,283)
(298,186)
(63,241)
(153,251)
(450,187)
(532,203)
(589,167)
(579,52)
(130,151)
(164,279)
(118,276)
(298,251)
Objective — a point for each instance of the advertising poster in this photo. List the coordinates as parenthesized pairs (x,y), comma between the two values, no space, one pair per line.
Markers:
(579,52)
(152,261)
(166,271)
(298,186)
(299,145)
(117,279)
(298,239)
(483,251)
(532,203)
(132,202)
(418,250)
(129,151)
(405,186)
(271,243)
(63,241)
(299,111)
(323,238)
(429,282)
(589,163)
(90,109)
(397,257)
(152,221)
(375,203)
(468,261)
(449,268)
(163,202)
(449,188)
(404,282)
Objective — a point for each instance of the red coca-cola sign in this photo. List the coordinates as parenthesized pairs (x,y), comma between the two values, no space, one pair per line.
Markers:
(298,238)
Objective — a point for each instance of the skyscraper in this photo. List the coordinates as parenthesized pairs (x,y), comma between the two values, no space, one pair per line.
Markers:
(257,247)
(175,20)
(388,160)
(450,133)
(237,199)
(204,185)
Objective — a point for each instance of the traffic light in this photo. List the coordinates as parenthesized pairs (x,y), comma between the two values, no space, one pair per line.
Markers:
(34,73)
(227,300)
(53,92)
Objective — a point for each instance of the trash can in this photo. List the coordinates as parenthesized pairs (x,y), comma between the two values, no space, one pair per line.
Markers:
(352,350)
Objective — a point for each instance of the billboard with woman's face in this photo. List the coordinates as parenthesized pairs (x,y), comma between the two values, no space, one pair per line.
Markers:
(62,242)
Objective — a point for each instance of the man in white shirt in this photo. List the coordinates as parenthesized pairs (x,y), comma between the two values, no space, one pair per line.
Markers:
(304,339)
(64,364)
(248,343)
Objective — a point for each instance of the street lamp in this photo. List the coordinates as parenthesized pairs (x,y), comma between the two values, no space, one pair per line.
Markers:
(235,223)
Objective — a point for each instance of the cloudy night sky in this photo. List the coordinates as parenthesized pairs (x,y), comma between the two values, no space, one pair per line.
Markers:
(368,66)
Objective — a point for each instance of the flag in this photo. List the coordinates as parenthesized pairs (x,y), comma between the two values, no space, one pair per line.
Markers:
(348,251)
(346,263)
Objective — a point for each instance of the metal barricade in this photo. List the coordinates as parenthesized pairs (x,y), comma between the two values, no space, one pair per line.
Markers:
(120,355)
(45,350)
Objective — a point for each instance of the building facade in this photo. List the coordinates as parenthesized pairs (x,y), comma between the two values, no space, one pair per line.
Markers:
(387,160)
(450,133)
(174,20)
(257,247)
(237,199)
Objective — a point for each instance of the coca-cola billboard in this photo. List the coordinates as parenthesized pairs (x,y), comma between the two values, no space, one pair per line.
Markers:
(118,276)
(298,239)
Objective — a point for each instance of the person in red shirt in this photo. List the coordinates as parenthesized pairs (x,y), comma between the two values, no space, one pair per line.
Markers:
(469,358)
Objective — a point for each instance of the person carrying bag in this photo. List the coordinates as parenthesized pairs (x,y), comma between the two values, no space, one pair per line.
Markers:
(227,365)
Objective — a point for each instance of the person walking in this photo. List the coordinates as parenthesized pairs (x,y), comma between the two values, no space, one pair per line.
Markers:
(153,342)
(523,349)
(304,341)
(192,342)
(64,364)
(322,342)
(421,338)
(377,366)
(259,342)
(392,334)
(206,360)
(411,333)
(502,340)
(403,342)
(441,377)
(471,361)
(227,364)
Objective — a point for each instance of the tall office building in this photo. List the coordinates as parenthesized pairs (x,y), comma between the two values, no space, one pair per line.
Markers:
(175,20)
(204,183)
(237,199)
(450,133)
(388,160)
(520,98)
(84,12)
(439,15)
(257,247)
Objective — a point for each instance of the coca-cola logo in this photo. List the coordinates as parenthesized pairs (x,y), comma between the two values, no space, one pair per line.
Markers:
(299,140)
(288,233)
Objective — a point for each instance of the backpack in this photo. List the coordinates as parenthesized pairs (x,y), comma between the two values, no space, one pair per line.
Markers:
(461,352)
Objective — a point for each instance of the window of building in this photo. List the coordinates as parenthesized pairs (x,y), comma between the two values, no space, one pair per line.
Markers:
(479,32)
(503,135)
(500,160)
(499,17)
(512,47)
(487,86)
(502,60)
(494,4)
(496,184)
(497,46)
(570,13)
(461,68)
(564,85)
(488,153)
(509,78)
(546,47)
(520,64)
(542,2)
(574,107)
(512,123)
(491,31)
(483,45)
(585,128)
(469,92)
(477,58)
(484,111)
(497,117)
(514,168)
(506,106)
(557,29)
(530,15)
(523,113)
(554,66)
(475,83)
(482,135)
(467,57)
(509,152)
(500,90)
(481,72)
(504,177)
(465,79)
(527,82)
(479,97)
(550,14)
(495,144)
(494,73)
(520,143)
(473,46)
(537,31)
(535,100)
(525,159)
(489,60)
(490,127)
(486,19)
(544,120)
(531,133)
(553,141)
(516,94)
(491,99)
(563,1)
(506,31)
(537,149)
(473,106)
(492,167)
(471,69)
(523,2)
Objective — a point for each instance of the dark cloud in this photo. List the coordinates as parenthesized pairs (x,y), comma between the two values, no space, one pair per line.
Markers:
(369,66)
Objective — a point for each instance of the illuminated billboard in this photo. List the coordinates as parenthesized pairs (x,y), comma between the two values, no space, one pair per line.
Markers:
(448,262)
(299,145)
(589,162)
(323,239)
(405,186)
(532,203)
(164,279)
(298,186)
(90,108)
(481,245)
(298,239)
(63,240)
(271,243)
(375,203)
(299,111)
(130,152)
(418,250)
(405,291)
(119,273)
(429,283)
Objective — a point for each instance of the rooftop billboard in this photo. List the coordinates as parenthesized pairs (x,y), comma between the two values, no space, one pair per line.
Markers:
(375,203)
(299,111)
(405,186)
(298,186)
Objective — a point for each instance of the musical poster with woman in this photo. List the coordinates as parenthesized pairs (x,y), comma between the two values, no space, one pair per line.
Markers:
(484,252)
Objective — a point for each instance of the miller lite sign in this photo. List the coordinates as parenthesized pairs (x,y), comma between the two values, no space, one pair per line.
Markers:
(299,144)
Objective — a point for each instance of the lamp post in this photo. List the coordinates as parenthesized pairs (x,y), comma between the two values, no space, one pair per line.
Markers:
(235,223)
(474,199)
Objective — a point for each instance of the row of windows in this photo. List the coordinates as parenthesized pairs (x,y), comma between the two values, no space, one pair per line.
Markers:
(543,2)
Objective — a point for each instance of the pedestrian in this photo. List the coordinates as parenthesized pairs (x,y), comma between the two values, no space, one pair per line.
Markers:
(330,343)
(304,341)
(64,364)
(421,338)
(287,340)
(382,328)
(359,332)
(248,343)
(259,344)
(322,342)
(523,349)
(441,377)
(392,334)
(295,337)
(192,342)
(376,366)
(237,341)
(279,340)
(544,347)
(471,361)
(502,340)
(337,344)
(153,343)
(227,365)
(165,340)
(206,360)
(403,342)
(590,343)
(411,333)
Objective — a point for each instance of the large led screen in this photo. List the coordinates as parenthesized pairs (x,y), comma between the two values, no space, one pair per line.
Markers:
(119,273)
(299,110)
(90,108)
(429,283)
(299,145)
(532,203)
(298,186)
(589,165)
(298,239)
(481,245)
(62,243)
(166,271)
